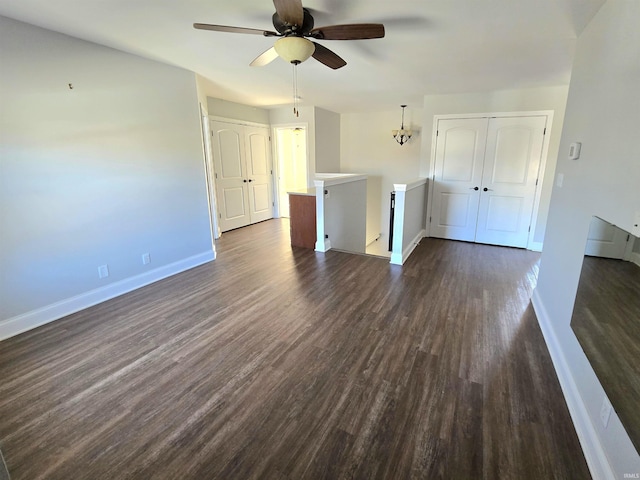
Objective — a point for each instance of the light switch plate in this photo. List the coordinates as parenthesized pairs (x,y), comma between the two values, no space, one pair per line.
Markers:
(103,271)
(605,412)
(574,150)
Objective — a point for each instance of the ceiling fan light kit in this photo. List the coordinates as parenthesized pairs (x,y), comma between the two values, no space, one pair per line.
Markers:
(294,49)
(402,136)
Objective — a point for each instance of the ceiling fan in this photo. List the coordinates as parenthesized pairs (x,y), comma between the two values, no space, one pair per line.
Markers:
(294,25)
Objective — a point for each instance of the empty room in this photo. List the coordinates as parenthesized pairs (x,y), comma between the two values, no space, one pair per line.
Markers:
(278,239)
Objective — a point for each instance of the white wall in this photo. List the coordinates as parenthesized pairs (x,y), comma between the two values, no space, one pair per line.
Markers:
(202,86)
(327,141)
(414,213)
(408,219)
(367,146)
(232,110)
(550,98)
(291,164)
(603,112)
(95,175)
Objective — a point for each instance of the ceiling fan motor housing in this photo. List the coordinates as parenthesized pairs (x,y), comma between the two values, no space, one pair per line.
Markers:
(297,30)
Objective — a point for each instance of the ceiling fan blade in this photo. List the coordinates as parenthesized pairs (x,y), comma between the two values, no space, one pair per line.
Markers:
(326,56)
(355,31)
(225,28)
(265,58)
(290,11)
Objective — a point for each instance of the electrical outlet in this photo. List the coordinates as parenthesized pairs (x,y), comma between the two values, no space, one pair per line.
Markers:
(103,271)
(146,258)
(559,179)
(605,412)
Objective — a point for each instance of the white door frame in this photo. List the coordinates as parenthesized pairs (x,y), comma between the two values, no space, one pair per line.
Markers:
(531,245)
(276,163)
(209,175)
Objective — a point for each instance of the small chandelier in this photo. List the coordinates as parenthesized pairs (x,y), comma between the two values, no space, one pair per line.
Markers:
(402,136)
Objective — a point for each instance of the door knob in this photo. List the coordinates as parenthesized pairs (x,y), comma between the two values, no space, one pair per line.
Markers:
(474,188)
(250,180)
(485,189)
(245,181)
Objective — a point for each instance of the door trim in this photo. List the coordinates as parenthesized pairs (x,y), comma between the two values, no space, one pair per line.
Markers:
(531,245)
(276,162)
(205,121)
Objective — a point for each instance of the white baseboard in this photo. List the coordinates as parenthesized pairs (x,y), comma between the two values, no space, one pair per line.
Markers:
(399,259)
(35,318)
(592,448)
(324,246)
(535,246)
(396,259)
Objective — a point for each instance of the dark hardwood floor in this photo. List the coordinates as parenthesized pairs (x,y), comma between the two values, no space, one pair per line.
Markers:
(281,363)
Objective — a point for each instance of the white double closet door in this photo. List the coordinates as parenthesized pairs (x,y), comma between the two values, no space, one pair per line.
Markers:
(485,180)
(243,174)
(607,241)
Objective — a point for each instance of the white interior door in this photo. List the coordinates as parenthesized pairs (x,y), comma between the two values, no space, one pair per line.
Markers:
(230,172)
(259,173)
(460,147)
(606,240)
(510,173)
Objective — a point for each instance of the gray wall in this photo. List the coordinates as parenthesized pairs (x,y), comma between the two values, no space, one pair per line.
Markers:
(327,141)
(345,216)
(95,175)
(603,112)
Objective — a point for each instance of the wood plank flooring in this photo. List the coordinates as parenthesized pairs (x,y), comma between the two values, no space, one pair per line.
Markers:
(281,363)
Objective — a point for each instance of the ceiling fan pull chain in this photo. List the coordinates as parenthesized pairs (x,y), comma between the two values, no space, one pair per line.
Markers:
(295,90)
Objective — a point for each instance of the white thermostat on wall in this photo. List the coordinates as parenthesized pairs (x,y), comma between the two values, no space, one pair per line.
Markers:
(574,150)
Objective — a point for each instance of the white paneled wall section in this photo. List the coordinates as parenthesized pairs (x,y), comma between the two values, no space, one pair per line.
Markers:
(408,220)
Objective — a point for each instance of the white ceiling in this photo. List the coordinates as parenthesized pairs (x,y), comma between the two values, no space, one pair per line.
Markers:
(430,47)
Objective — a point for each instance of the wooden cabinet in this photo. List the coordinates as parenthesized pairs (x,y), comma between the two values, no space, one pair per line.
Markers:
(302,211)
